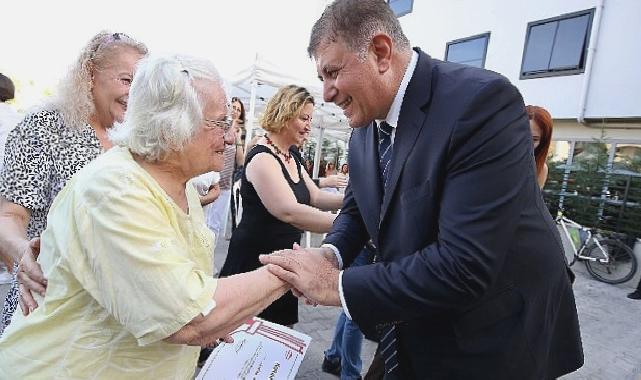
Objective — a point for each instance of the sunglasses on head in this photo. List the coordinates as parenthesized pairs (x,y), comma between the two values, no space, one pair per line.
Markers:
(109,40)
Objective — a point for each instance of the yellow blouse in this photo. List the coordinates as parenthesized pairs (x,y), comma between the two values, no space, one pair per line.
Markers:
(126,268)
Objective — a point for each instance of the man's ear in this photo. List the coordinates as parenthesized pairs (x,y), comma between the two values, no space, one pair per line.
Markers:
(381,46)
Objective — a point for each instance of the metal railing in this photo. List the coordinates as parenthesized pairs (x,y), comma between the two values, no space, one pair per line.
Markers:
(606,199)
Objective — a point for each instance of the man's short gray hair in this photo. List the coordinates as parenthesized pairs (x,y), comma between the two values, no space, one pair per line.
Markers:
(355,22)
(165,108)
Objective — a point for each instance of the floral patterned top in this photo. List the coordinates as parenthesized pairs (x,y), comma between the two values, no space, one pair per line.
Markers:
(41,155)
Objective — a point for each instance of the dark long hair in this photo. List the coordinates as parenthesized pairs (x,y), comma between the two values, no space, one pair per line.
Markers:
(543,119)
(242,108)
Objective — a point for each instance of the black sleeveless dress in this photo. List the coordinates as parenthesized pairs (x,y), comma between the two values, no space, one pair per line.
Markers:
(259,232)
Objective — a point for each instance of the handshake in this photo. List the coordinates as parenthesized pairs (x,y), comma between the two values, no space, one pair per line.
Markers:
(311,272)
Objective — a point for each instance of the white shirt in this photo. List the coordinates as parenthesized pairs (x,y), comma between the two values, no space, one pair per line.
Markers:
(392,119)
(203,182)
(9,118)
(395,109)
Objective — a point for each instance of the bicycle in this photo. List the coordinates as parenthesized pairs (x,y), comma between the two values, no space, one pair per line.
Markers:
(607,259)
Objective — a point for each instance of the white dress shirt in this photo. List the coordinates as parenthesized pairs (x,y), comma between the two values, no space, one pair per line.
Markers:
(391,119)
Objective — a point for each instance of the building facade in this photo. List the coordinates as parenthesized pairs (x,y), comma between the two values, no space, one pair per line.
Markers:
(579,59)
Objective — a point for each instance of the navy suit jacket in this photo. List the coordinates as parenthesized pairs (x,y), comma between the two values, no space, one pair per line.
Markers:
(470,263)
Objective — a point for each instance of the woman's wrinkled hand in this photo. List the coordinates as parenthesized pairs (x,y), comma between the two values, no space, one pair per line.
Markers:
(30,277)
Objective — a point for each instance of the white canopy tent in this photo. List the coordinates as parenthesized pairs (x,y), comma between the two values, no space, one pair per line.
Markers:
(257,83)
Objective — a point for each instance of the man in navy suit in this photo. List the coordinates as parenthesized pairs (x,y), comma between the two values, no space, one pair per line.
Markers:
(470,280)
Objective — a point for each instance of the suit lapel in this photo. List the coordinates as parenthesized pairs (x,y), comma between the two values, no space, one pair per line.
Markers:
(410,123)
(366,187)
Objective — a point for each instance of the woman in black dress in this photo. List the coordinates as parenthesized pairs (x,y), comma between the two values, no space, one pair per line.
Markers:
(280,200)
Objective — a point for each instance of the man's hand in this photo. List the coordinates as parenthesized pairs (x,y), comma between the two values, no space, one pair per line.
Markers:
(335,180)
(312,272)
(30,277)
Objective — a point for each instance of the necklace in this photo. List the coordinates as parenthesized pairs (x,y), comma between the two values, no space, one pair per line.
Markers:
(287,156)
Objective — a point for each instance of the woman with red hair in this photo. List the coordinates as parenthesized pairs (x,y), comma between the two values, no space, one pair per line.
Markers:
(541,128)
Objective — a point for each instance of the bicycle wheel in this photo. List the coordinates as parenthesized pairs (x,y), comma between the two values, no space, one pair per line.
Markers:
(620,267)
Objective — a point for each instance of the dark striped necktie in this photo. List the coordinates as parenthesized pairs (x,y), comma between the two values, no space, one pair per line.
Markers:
(387,347)
(385,148)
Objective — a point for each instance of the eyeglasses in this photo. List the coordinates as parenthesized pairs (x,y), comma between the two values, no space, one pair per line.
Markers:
(221,126)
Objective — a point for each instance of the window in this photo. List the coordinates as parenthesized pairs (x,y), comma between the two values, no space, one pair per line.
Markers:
(597,183)
(559,151)
(627,158)
(470,51)
(401,7)
(557,46)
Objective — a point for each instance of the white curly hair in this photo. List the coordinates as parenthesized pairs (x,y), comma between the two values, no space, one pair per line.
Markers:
(74,99)
(165,106)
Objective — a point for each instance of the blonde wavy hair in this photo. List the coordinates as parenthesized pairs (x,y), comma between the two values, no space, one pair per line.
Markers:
(74,99)
(284,106)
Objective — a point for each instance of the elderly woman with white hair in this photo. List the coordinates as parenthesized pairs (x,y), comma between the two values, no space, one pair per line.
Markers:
(52,143)
(127,252)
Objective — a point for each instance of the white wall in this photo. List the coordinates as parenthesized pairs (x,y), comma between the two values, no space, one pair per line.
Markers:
(615,90)
(571,130)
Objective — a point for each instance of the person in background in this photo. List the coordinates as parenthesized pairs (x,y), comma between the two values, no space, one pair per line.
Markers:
(218,213)
(207,186)
(636,294)
(330,170)
(9,118)
(333,181)
(309,167)
(208,190)
(279,198)
(336,181)
(345,169)
(469,280)
(51,144)
(331,176)
(541,129)
(322,169)
(127,250)
(238,114)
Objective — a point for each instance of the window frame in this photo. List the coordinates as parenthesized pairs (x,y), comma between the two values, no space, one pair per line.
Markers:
(402,14)
(470,38)
(566,72)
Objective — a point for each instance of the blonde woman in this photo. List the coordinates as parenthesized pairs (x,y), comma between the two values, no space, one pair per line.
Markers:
(280,200)
(52,144)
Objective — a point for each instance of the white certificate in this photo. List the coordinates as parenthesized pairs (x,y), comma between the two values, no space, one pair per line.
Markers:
(261,350)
